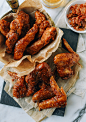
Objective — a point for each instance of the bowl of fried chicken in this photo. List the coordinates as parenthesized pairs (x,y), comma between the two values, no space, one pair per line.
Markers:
(75,16)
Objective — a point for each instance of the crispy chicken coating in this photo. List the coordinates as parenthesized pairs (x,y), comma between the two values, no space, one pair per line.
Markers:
(39,17)
(19,89)
(22,43)
(16,27)
(30,90)
(48,36)
(41,22)
(29,85)
(65,61)
(31,78)
(43,94)
(60,99)
(4,27)
(12,37)
(42,73)
(42,28)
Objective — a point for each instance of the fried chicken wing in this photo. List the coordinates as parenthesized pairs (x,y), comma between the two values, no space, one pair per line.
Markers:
(19,89)
(48,36)
(60,99)
(65,61)
(4,27)
(39,17)
(22,43)
(31,78)
(43,94)
(30,90)
(16,27)
(42,73)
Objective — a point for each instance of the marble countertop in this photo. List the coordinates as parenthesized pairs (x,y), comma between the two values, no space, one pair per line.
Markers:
(76,106)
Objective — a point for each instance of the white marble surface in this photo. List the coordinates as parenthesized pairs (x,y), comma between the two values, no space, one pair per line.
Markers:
(75,104)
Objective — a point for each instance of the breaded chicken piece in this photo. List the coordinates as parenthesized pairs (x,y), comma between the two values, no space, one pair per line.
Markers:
(42,28)
(59,100)
(19,89)
(39,17)
(22,43)
(48,36)
(43,94)
(4,27)
(65,61)
(16,27)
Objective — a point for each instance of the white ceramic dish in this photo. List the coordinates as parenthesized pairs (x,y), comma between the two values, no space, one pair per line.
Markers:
(67,10)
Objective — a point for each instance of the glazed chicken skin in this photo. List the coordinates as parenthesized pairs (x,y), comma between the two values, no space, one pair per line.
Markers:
(42,73)
(65,61)
(39,17)
(59,100)
(48,36)
(19,89)
(16,27)
(41,22)
(4,27)
(44,93)
(42,27)
(22,43)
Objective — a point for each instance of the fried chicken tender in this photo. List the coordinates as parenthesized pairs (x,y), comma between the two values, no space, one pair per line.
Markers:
(41,22)
(39,17)
(65,61)
(22,43)
(16,27)
(19,89)
(43,94)
(4,27)
(48,36)
(10,42)
(43,27)
(60,99)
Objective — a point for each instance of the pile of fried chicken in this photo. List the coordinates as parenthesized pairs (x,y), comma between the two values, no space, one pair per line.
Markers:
(77,16)
(41,84)
(22,39)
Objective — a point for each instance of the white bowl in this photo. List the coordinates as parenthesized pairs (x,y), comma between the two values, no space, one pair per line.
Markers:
(67,10)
